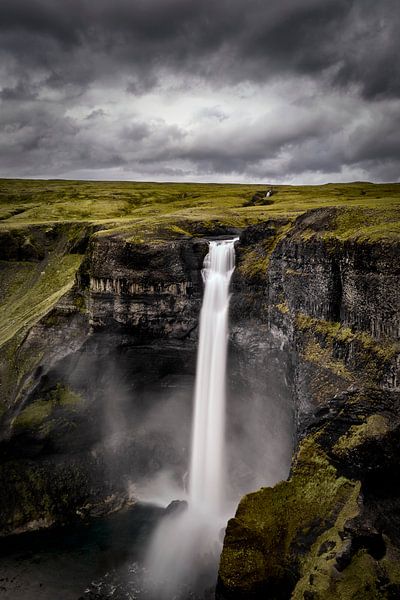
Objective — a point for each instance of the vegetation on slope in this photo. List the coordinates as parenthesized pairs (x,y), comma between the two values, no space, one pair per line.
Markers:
(267,539)
(42,409)
(41,222)
(314,536)
(39,269)
(155,209)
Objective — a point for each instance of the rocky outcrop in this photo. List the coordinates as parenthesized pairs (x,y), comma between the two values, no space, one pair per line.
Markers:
(331,530)
(340,302)
(152,289)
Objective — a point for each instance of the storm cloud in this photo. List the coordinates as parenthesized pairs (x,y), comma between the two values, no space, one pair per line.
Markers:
(288,90)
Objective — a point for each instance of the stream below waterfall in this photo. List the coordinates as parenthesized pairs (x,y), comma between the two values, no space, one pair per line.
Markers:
(100,559)
(103,559)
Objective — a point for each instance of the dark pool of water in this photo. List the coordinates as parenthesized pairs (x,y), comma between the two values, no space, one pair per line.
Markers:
(98,560)
(86,560)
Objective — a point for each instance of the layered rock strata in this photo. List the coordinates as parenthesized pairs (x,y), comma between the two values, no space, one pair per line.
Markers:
(79,386)
(314,336)
(332,529)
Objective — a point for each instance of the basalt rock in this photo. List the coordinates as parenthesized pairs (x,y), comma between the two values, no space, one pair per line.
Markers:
(332,530)
(90,373)
(314,325)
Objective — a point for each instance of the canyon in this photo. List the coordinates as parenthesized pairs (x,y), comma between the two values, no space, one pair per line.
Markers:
(93,382)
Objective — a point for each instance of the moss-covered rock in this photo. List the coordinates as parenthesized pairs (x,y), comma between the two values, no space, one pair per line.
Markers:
(330,531)
(373,428)
(42,409)
(267,542)
(364,577)
(256,246)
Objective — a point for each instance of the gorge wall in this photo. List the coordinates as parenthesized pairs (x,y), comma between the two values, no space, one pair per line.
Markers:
(331,530)
(314,325)
(111,350)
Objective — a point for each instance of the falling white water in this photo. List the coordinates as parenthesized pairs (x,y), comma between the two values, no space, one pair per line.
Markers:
(185,548)
(207,459)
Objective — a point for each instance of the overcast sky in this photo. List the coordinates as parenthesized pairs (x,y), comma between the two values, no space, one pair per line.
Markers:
(297,91)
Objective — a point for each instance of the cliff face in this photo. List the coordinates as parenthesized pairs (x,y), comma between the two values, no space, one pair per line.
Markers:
(152,290)
(79,387)
(314,342)
(340,301)
(101,376)
(331,530)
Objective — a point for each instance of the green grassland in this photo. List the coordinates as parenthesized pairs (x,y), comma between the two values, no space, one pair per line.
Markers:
(139,212)
(33,296)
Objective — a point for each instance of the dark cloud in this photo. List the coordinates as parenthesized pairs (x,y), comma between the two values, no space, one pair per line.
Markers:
(140,85)
(21,91)
(356,39)
(73,74)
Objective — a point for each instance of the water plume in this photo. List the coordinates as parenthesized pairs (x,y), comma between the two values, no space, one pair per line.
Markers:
(208,437)
(186,546)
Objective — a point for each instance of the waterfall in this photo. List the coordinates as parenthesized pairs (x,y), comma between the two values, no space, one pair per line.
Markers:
(185,548)
(207,458)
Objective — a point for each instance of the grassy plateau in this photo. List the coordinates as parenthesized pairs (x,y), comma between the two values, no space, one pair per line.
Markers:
(141,209)
(44,219)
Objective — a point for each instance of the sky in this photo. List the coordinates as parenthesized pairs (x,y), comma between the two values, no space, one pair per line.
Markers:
(294,91)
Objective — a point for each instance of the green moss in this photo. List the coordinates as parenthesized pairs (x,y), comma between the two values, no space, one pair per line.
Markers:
(179,230)
(318,568)
(273,527)
(390,563)
(332,329)
(374,427)
(283,308)
(255,260)
(385,351)
(34,414)
(80,303)
(49,282)
(13,278)
(379,222)
(17,364)
(42,409)
(323,356)
(364,578)
(63,396)
(320,337)
(359,580)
